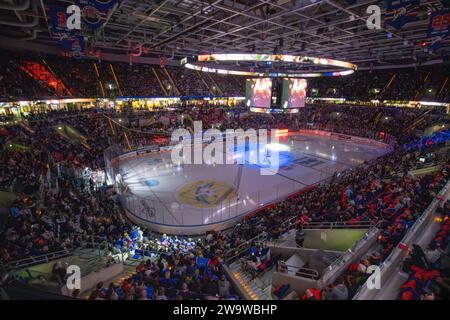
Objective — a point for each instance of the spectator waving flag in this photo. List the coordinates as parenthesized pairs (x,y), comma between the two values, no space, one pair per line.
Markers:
(401,12)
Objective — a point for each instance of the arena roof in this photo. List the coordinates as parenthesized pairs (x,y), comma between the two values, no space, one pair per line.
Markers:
(175,28)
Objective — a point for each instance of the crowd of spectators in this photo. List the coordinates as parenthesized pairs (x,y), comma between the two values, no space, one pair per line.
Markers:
(398,210)
(175,269)
(43,220)
(400,84)
(427,270)
(15,83)
(135,79)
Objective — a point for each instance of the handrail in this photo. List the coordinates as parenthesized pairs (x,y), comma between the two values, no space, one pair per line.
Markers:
(337,225)
(307,273)
(177,91)
(304,272)
(348,255)
(231,253)
(50,256)
(34,274)
(288,222)
(425,170)
(33,260)
(160,82)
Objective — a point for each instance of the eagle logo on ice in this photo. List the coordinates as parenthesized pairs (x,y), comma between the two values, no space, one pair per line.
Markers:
(205,193)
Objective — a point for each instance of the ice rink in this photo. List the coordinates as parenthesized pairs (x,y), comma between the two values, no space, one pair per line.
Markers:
(193,198)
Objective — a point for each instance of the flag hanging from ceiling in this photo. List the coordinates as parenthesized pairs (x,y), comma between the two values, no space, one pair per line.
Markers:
(69,39)
(439,28)
(103,5)
(401,12)
(58,17)
(95,12)
(75,45)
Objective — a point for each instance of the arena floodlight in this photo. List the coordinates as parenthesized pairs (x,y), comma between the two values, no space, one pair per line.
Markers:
(198,63)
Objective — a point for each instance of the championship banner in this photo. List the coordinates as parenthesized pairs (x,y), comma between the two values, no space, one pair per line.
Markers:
(439,28)
(95,12)
(401,12)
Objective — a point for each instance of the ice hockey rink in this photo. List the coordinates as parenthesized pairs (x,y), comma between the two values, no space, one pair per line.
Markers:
(193,198)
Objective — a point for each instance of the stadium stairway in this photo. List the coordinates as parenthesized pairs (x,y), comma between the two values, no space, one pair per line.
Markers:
(39,276)
(129,268)
(25,125)
(72,135)
(172,82)
(158,78)
(128,271)
(252,287)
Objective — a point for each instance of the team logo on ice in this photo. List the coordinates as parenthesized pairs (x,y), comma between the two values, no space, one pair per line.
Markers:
(206,193)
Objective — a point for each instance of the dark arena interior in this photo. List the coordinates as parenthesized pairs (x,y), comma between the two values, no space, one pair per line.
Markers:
(222,150)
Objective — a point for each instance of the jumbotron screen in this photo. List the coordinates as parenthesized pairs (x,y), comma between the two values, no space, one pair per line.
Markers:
(276,94)
(258,92)
(293,93)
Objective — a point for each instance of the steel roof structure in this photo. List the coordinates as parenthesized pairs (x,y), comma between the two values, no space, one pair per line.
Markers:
(175,28)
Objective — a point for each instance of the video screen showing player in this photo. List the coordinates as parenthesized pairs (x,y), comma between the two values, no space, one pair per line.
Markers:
(259,92)
(294,93)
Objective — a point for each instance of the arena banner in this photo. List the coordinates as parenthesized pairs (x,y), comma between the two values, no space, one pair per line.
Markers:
(75,45)
(401,12)
(103,5)
(439,28)
(58,17)
(95,12)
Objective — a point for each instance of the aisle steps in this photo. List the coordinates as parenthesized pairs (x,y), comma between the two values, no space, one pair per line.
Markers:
(250,286)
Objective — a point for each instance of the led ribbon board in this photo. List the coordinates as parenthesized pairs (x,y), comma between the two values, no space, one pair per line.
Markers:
(197,63)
